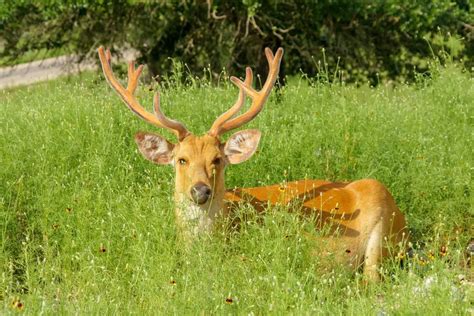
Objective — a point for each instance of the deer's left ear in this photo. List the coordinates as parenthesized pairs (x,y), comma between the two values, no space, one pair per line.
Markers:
(241,145)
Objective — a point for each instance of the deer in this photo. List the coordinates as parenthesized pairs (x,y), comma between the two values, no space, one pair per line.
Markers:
(362,216)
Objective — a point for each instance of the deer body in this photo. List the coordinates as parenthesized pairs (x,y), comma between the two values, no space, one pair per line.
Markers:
(362,217)
(356,226)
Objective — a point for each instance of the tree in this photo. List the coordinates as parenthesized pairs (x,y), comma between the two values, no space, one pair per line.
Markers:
(364,39)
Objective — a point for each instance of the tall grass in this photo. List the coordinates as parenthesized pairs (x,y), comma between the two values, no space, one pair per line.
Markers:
(87,225)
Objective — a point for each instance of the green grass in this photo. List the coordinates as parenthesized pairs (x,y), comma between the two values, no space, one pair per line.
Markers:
(87,225)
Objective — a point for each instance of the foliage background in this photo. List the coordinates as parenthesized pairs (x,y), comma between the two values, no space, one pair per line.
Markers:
(366,40)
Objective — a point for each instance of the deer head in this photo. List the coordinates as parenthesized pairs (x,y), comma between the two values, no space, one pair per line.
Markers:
(199,161)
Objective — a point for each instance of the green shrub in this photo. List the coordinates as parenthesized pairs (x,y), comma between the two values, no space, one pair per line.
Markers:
(367,40)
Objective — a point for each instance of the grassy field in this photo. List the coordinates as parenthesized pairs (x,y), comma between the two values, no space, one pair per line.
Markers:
(86,224)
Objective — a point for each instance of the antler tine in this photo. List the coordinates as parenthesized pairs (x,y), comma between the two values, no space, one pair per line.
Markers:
(269,54)
(108,54)
(133,76)
(129,99)
(215,128)
(258,97)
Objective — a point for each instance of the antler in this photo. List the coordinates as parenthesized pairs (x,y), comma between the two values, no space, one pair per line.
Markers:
(158,119)
(216,126)
(224,123)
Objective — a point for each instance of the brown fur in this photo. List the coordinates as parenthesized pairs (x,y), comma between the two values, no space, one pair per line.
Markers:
(363,218)
(356,213)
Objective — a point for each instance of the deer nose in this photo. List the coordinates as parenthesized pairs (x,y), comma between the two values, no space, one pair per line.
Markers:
(200,192)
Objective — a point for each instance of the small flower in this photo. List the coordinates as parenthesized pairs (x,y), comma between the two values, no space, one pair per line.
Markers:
(282,189)
(102,248)
(431,255)
(173,282)
(68,210)
(401,255)
(443,251)
(229,300)
(422,261)
(17,304)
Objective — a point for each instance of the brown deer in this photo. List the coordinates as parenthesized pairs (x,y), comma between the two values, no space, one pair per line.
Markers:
(362,215)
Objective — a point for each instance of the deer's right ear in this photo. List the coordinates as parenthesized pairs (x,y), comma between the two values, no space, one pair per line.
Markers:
(155,148)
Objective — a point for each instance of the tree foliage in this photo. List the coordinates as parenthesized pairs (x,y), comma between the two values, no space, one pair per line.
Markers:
(363,39)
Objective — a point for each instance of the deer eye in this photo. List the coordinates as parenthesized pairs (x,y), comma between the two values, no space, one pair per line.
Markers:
(216,161)
(182,161)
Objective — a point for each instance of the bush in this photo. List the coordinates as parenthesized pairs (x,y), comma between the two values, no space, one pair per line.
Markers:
(364,40)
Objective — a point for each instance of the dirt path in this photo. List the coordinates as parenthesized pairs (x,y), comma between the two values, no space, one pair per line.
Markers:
(41,70)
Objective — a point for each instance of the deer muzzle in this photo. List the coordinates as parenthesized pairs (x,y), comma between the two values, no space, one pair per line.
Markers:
(200,193)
